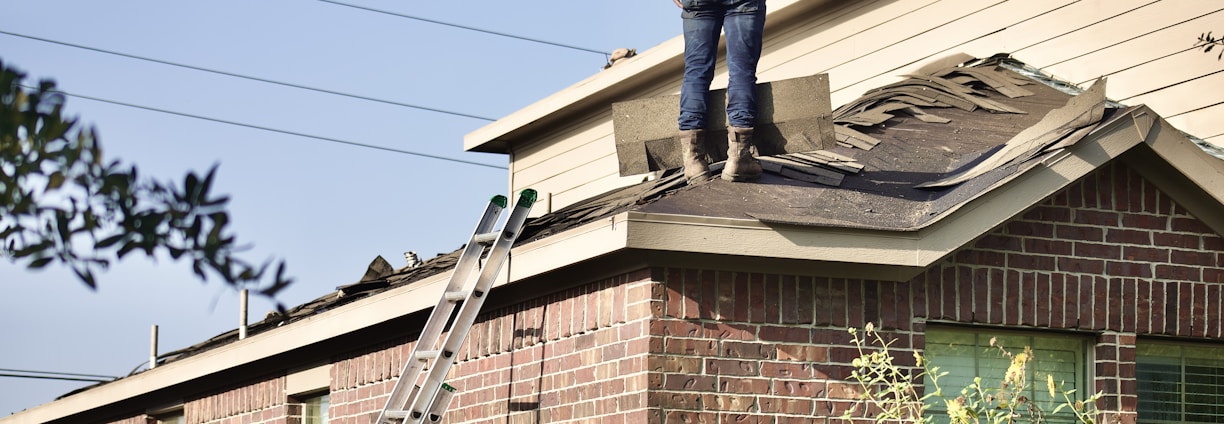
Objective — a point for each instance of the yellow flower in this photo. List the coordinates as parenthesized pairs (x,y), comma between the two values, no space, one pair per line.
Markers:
(1050,384)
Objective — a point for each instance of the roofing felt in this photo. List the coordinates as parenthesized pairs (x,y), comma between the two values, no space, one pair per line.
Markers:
(926,129)
(891,141)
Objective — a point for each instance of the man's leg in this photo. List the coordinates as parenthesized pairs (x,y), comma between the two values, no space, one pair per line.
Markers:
(745,26)
(701,33)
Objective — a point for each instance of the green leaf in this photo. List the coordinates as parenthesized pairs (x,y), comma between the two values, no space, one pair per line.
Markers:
(40,262)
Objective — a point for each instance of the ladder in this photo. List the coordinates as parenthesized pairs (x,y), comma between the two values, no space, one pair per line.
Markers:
(432,358)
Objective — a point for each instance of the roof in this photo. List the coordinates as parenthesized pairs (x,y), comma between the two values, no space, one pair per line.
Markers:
(882,189)
(989,132)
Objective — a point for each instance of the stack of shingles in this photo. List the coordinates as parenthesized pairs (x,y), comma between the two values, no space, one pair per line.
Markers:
(940,85)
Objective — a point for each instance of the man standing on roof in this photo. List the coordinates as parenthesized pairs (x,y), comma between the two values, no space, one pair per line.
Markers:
(744,22)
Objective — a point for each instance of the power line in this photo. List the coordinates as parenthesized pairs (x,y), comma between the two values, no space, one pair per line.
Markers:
(500,34)
(269,129)
(247,77)
(54,375)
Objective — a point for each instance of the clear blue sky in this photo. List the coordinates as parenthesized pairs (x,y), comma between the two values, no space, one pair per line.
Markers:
(328,209)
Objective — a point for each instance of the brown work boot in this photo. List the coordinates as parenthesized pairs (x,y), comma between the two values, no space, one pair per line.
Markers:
(741,166)
(692,144)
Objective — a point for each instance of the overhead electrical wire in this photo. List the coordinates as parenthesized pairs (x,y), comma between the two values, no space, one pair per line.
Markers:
(500,34)
(54,375)
(280,131)
(247,77)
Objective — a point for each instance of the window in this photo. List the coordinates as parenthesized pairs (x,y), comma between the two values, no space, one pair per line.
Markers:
(314,409)
(964,355)
(1180,383)
(171,418)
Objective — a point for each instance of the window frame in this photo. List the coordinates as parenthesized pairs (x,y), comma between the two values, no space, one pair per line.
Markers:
(1154,353)
(1043,342)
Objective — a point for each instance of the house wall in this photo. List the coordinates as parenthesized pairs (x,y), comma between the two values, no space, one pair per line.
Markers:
(1110,258)
(1144,47)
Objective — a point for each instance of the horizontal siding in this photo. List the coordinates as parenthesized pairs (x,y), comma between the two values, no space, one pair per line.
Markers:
(1155,76)
(595,187)
(955,29)
(1141,49)
(1143,46)
(1208,121)
(1188,96)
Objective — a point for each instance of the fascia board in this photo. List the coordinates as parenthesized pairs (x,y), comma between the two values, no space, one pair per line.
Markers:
(657,64)
(1193,178)
(575,245)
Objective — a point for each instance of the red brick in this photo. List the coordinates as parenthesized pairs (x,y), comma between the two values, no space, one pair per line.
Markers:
(756,297)
(699,347)
(1188,224)
(999,242)
(708,294)
(788,305)
(1048,247)
(799,370)
(797,388)
(1080,233)
(1128,269)
(784,334)
(742,297)
(982,257)
(1081,266)
(1179,273)
(1196,258)
(726,295)
(779,405)
(732,367)
(837,302)
(748,350)
(1184,241)
(732,384)
(1096,250)
(690,382)
(1030,229)
(1048,214)
(773,299)
(997,297)
(804,292)
(1149,222)
(1128,236)
(964,292)
(692,294)
(1031,262)
(1172,299)
(1100,218)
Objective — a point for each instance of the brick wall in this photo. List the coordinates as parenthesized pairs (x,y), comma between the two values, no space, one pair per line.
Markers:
(1111,257)
(575,355)
(260,402)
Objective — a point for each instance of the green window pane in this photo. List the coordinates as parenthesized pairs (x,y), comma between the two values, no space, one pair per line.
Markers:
(1179,383)
(965,355)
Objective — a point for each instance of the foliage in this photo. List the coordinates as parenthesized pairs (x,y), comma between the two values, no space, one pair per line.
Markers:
(1207,42)
(61,202)
(889,393)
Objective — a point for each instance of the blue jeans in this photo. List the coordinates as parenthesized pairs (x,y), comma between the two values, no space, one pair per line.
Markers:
(744,22)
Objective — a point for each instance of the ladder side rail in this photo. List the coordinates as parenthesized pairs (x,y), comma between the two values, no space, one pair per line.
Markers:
(426,397)
(468,261)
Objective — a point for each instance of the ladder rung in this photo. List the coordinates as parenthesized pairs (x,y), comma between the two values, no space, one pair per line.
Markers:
(486,238)
(455,296)
(399,415)
(427,354)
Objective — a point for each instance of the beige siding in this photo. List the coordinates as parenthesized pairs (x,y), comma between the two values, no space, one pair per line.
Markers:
(1143,46)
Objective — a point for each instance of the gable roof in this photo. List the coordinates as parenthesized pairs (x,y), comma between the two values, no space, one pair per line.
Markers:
(876,222)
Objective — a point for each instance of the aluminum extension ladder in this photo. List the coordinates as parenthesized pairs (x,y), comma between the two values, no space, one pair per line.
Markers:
(427,402)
